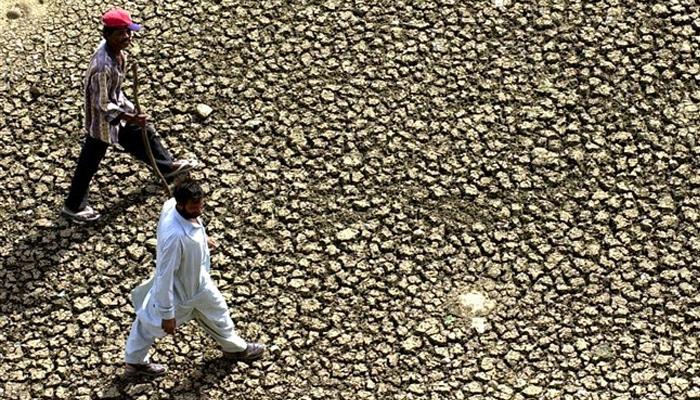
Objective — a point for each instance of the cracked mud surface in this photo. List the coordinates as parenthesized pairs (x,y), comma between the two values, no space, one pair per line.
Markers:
(414,200)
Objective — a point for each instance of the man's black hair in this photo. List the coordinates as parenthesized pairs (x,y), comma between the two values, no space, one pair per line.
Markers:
(187,189)
(107,31)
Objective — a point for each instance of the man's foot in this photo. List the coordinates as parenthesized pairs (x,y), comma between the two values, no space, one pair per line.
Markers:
(87,214)
(149,369)
(180,167)
(252,352)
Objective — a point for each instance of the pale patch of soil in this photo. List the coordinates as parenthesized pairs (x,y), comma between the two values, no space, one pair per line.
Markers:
(18,10)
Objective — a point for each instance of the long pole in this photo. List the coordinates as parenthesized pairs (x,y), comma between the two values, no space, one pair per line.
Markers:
(144,133)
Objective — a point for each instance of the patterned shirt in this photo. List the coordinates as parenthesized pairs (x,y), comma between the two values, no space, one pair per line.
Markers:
(104,99)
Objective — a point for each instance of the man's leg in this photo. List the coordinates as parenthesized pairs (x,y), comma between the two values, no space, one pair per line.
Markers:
(218,324)
(130,139)
(91,154)
(213,316)
(138,343)
(140,340)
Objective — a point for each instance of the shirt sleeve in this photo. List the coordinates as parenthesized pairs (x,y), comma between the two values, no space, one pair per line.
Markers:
(168,263)
(126,104)
(99,85)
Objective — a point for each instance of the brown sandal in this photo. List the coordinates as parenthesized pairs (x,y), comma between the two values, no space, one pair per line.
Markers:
(150,369)
(253,351)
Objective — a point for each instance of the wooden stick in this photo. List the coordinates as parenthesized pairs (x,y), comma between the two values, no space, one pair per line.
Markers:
(144,133)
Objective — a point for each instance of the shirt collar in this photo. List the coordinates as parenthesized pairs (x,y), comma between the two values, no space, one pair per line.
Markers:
(110,56)
(186,224)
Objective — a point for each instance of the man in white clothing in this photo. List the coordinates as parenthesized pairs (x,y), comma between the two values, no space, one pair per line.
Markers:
(181,288)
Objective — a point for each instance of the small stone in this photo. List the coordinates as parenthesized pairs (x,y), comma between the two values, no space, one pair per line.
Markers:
(71,330)
(135,251)
(475,388)
(296,283)
(61,392)
(647,348)
(353,159)
(666,202)
(471,190)
(82,303)
(532,390)
(513,357)
(86,318)
(361,205)
(678,384)
(298,137)
(412,343)
(347,234)
(487,364)
(254,123)
(428,326)
(204,110)
(327,95)
(544,157)
(274,349)
(416,388)
(306,59)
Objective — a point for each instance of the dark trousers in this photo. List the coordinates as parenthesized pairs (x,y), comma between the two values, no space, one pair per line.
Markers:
(94,150)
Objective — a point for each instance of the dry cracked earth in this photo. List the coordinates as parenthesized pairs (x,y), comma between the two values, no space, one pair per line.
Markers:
(414,199)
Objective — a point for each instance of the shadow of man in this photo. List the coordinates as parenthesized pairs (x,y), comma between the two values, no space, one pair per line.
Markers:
(197,380)
(43,249)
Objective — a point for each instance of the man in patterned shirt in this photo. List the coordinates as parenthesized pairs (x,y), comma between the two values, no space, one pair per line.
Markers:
(110,118)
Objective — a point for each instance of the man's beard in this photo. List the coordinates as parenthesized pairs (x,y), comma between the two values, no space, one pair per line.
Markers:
(187,215)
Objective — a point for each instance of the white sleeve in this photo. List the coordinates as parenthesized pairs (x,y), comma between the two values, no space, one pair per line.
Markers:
(167,264)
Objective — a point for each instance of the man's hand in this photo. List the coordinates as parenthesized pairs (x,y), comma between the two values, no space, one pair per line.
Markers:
(168,326)
(139,119)
(213,244)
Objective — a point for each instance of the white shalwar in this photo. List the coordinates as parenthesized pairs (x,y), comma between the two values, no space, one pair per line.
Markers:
(181,288)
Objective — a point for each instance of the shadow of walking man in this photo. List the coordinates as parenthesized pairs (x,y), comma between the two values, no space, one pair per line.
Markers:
(49,249)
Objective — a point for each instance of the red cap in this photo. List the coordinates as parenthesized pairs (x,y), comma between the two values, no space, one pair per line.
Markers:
(118,18)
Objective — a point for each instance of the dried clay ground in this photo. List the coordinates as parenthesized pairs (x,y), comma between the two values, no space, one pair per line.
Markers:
(414,199)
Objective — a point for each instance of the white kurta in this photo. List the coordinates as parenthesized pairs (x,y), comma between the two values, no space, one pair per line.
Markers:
(181,288)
